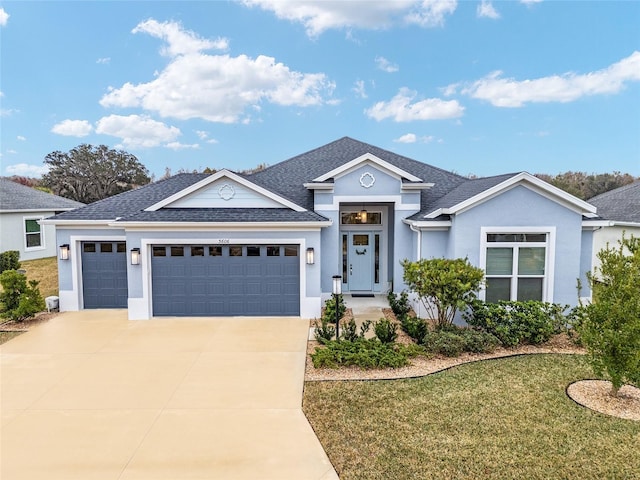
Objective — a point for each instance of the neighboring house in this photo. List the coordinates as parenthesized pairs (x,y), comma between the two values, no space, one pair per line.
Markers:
(21,210)
(269,243)
(619,210)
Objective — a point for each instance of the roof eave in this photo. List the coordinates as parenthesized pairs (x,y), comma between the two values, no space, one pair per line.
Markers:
(316,224)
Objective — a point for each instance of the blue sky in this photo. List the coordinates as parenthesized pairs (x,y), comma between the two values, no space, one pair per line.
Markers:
(474,87)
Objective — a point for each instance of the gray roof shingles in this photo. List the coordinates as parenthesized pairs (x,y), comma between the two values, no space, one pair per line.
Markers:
(17,197)
(286,179)
(621,204)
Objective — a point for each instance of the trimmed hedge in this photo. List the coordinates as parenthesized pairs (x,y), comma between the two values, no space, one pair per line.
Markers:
(517,323)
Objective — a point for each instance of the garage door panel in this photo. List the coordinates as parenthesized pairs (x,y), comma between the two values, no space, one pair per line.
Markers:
(104,274)
(215,283)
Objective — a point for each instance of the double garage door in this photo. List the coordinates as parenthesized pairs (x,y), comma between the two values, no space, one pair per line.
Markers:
(225,280)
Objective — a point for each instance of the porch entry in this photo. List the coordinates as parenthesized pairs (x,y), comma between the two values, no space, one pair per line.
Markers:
(360,260)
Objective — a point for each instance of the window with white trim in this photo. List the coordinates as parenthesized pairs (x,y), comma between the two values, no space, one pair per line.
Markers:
(33,237)
(516,266)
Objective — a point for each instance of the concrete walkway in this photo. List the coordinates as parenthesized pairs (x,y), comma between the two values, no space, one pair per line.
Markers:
(91,395)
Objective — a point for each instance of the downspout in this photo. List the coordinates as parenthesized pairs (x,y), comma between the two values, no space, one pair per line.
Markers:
(419,232)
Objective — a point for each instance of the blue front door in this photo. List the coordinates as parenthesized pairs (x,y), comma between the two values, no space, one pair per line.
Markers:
(360,261)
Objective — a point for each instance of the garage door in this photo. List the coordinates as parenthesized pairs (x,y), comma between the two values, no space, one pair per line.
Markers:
(104,274)
(225,280)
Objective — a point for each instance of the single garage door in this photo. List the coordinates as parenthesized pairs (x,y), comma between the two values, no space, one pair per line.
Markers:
(225,280)
(104,274)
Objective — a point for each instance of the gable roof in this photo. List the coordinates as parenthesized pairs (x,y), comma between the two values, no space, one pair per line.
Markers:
(217,176)
(475,191)
(287,178)
(620,205)
(15,197)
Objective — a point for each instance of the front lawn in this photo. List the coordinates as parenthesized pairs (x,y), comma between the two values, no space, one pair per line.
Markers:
(498,419)
(44,270)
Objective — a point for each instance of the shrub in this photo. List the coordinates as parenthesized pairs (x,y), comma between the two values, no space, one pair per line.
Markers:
(415,327)
(19,299)
(349,331)
(386,331)
(476,341)
(610,326)
(329,314)
(443,285)
(445,343)
(363,353)
(324,332)
(9,260)
(399,304)
(516,323)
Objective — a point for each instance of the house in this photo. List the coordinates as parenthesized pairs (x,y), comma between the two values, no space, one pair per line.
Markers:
(21,210)
(619,210)
(269,243)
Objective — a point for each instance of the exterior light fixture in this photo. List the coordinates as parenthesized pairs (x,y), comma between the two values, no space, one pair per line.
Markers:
(337,291)
(135,256)
(310,256)
(363,215)
(63,252)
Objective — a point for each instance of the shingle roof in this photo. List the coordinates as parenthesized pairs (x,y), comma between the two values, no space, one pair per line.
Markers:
(16,197)
(133,201)
(464,191)
(621,204)
(287,178)
(225,215)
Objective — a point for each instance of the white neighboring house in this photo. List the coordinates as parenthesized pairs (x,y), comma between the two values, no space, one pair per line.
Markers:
(619,212)
(21,209)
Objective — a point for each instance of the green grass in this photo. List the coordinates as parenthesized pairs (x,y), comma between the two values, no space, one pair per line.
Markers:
(44,270)
(6,336)
(499,419)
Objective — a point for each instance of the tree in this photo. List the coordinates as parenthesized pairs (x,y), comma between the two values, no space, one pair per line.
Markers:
(443,286)
(585,186)
(610,326)
(87,173)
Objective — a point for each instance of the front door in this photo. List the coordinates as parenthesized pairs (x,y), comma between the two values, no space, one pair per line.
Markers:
(360,261)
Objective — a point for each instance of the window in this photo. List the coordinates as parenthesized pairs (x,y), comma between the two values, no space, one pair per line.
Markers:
(273,251)
(33,237)
(235,251)
(516,266)
(290,251)
(106,247)
(253,251)
(197,251)
(355,218)
(159,251)
(215,251)
(177,251)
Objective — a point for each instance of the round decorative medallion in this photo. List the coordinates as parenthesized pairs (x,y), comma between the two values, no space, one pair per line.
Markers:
(226,192)
(367,180)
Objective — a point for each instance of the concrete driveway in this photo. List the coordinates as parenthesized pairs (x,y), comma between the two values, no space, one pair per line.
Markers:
(91,395)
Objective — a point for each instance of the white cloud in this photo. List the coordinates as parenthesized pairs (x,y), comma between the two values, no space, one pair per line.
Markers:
(4,17)
(431,13)
(318,15)
(21,138)
(413,138)
(486,10)
(400,108)
(26,170)
(530,2)
(407,138)
(179,41)
(104,60)
(182,146)
(385,65)
(359,89)
(204,136)
(218,88)
(73,128)
(508,92)
(137,131)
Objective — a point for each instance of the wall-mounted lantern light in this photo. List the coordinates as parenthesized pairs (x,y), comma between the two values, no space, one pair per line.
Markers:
(135,256)
(310,256)
(63,252)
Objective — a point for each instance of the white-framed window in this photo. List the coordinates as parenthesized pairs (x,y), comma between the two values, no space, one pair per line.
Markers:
(518,263)
(33,233)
